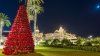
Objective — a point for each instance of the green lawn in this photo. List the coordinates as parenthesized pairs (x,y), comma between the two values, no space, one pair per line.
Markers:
(48,51)
(1,53)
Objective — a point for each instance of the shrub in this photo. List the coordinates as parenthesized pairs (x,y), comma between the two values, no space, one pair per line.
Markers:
(45,43)
(55,42)
(87,43)
(66,42)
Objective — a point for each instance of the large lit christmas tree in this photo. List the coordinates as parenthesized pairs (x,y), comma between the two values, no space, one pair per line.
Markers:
(19,40)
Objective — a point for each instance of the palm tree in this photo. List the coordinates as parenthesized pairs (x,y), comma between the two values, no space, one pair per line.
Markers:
(34,8)
(3,21)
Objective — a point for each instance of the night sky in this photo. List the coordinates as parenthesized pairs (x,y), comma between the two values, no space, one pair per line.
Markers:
(80,17)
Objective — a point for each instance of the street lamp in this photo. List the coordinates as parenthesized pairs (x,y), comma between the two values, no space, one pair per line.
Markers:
(90,37)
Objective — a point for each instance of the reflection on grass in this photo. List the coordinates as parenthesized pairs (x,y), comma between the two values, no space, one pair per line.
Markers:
(31,54)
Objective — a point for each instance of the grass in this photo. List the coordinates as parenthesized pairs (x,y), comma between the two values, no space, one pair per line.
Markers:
(50,51)
(1,53)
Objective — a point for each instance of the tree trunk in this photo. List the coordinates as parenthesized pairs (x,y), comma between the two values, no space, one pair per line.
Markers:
(35,24)
(0,32)
(35,21)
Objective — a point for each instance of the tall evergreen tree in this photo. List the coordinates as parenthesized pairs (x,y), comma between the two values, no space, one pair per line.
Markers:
(20,39)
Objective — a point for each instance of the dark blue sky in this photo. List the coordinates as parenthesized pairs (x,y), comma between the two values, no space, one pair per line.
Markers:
(76,16)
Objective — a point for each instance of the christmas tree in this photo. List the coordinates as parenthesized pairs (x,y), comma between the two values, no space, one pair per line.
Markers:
(19,39)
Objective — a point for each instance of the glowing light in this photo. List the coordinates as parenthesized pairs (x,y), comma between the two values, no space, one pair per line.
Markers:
(90,36)
(1,40)
(98,7)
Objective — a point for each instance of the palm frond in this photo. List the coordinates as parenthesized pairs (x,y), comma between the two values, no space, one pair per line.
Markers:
(34,7)
(3,18)
(37,9)
(20,1)
(36,2)
(7,23)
